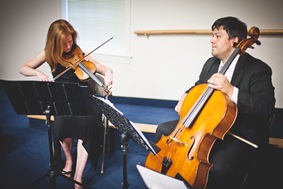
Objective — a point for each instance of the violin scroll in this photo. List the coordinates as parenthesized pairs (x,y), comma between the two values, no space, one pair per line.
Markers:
(74,57)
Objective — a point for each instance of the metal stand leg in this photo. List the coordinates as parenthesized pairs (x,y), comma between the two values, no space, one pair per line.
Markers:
(105,134)
(124,140)
(105,140)
(53,172)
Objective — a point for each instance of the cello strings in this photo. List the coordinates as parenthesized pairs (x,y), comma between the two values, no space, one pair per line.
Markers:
(191,115)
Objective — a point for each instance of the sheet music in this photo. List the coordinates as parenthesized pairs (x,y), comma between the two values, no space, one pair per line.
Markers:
(110,104)
(116,117)
(155,180)
(143,137)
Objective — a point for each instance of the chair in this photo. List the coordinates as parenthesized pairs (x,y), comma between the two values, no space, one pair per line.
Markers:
(98,90)
(257,176)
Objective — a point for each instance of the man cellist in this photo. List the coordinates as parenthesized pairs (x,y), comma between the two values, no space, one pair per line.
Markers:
(248,84)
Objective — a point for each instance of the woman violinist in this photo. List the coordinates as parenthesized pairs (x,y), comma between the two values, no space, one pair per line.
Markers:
(248,84)
(60,45)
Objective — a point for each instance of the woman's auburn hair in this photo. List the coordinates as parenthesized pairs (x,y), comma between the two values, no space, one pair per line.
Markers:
(58,31)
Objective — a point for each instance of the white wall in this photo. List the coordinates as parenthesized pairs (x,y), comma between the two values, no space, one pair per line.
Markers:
(160,67)
(24,26)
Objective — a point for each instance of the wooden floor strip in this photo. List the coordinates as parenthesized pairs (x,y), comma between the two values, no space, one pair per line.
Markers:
(151,128)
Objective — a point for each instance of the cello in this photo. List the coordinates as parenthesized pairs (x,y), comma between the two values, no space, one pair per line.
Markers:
(205,116)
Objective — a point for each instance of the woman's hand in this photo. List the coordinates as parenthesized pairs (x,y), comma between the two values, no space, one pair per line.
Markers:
(108,77)
(30,67)
(41,76)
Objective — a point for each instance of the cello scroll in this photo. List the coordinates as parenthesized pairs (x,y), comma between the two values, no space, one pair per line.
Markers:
(247,43)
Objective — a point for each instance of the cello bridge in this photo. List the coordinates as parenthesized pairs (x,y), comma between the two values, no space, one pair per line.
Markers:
(179,142)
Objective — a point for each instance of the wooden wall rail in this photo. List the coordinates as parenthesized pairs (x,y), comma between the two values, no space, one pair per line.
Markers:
(270,32)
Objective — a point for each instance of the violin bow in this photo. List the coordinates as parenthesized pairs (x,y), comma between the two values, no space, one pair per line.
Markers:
(95,49)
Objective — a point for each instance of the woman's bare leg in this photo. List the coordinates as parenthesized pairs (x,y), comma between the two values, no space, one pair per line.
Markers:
(67,146)
(82,157)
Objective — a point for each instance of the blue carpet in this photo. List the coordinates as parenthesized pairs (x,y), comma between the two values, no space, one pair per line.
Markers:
(24,151)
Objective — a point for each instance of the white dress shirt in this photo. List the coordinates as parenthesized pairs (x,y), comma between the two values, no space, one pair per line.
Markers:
(229,74)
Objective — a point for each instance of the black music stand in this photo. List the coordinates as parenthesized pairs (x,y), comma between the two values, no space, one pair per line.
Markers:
(127,129)
(49,98)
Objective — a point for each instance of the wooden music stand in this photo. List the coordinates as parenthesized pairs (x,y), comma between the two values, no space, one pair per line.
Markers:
(49,99)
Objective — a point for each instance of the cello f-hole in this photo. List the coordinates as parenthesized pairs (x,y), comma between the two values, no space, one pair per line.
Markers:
(191,157)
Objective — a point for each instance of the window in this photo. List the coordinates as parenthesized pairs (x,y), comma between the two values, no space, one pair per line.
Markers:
(96,21)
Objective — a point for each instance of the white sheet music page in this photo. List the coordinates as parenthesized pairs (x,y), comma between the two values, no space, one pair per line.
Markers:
(155,180)
(110,104)
(144,138)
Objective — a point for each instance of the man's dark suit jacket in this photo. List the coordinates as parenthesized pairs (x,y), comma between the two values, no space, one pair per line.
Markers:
(256,99)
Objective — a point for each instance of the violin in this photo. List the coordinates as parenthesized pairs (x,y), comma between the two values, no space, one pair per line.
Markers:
(76,58)
(83,69)
(205,116)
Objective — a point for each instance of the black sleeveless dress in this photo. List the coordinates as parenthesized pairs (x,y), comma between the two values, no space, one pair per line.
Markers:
(87,128)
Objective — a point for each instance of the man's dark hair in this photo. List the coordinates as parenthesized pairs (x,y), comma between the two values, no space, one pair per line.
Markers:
(233,26)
